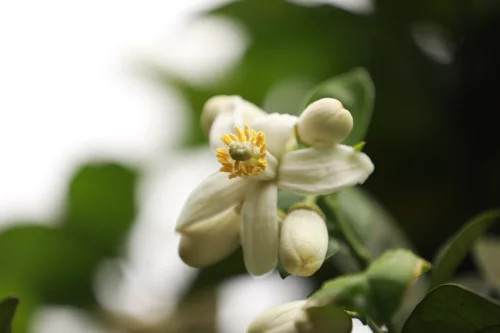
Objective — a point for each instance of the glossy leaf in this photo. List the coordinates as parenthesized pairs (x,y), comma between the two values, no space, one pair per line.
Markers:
(356,92)
(451,308)
(453,251)
(7,310)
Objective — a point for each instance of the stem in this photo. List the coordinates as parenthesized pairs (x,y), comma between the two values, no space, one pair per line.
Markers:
(311,199)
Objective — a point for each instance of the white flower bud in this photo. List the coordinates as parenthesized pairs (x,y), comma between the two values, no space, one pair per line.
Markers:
(324,123)
(211,240)
(303,242)
(244,111)
(280,319)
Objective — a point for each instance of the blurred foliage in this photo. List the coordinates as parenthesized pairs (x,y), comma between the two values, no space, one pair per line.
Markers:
(56,264)
(376,292)
(454,251)
(7,309)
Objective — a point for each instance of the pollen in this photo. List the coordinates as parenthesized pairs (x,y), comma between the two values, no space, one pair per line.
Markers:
(245,154)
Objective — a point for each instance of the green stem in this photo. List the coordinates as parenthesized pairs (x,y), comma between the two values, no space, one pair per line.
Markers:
(311,199)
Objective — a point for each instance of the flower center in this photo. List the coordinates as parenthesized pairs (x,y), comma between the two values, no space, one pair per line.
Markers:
(245,154)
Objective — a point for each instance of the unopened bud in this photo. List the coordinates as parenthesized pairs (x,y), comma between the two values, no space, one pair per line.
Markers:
(303,242)
(298,317)
(210,241)
(324,123)
(244,110)
(281,318)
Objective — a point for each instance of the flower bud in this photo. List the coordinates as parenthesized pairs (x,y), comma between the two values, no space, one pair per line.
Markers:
(324,123)
(298,317)
(303,242)
(244,110)
(211,240)
(281,318)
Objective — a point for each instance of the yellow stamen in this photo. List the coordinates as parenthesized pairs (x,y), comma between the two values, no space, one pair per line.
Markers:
(245,154)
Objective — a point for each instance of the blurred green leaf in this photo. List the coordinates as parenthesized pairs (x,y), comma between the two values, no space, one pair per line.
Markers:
(455,249)
(450,308)
(326,319)
(355,90)
(333,248)
(389,277)
(373,229)
(487,254)
(379,291)
(49,263)
(7,309)
(349,291)
(102,205)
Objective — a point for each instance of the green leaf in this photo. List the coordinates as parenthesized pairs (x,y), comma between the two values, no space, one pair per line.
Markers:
(373,229)
(389,277)
(325,319)
(450,308)
(7,309)
(333,248)
(349,291)
(379,291)
(102,205)
(356,92)
(453,251)
(55,266)
(487,254)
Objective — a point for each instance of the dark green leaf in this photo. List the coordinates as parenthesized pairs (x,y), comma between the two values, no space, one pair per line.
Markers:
(355,90)
(453,251)
(7,309)
(450,308)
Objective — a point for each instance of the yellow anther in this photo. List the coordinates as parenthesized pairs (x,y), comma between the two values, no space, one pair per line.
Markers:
(245,154)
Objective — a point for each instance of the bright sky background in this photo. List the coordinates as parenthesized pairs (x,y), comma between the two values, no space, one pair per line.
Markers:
(71,90)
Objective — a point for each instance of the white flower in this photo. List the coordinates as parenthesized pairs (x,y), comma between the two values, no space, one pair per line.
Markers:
(303,242)
(257,164)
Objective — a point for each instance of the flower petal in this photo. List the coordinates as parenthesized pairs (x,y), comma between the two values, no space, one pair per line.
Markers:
(235,111)
(212,240)
(271,170)
(259,234)
(213,196)
(278,129)
(323,170)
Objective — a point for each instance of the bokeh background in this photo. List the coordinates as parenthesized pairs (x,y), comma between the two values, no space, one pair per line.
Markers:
(100,142)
